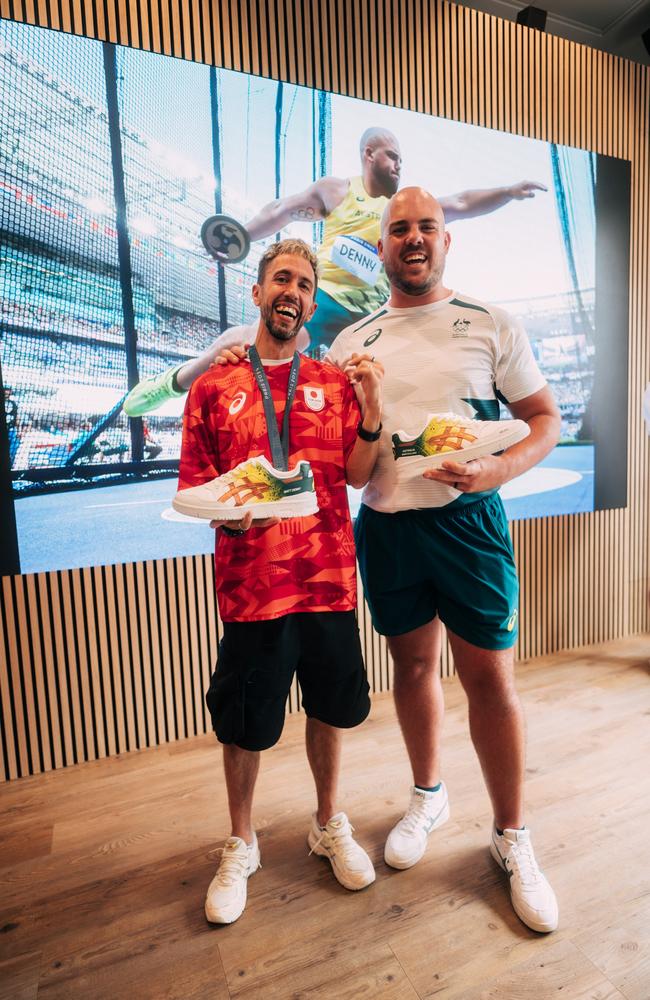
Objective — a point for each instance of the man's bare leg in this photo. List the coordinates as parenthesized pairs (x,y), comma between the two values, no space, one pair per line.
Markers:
(227,892)
(420,710)
(323,744)
(418,698)
(241,768)
(496,722)
(350,863)
(497,726)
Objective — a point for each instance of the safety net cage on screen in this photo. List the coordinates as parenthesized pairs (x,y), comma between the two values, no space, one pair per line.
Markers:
(111,161)
(104,279)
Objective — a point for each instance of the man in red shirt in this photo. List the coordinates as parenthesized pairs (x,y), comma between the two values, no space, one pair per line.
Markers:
(286,589)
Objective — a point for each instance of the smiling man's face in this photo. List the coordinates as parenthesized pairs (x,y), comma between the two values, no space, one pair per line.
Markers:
(286,296)
(414,242)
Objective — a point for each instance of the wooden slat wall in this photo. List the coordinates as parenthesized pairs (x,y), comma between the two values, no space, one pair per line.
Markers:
(112,659)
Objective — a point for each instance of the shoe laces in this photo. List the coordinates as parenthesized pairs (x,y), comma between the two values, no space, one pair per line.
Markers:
(415,816)
(233,866)
(341,841)
(521,857)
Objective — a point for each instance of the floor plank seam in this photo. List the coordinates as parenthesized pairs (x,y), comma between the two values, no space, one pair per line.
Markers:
(410,981)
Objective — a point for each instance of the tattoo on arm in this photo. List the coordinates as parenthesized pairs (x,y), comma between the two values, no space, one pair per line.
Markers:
(303,214)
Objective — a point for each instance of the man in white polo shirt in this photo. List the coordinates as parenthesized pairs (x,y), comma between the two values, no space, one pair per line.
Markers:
(433,543)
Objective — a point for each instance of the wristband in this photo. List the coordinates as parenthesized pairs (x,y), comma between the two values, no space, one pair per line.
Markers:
(233,532)
(368,435)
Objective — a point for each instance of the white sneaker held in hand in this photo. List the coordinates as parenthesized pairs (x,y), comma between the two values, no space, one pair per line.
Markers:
(407,840)
(533,900)
(350,863)
(450,436)
(226,896)
(253,485)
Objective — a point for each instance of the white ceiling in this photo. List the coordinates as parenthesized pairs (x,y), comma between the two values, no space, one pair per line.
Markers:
(612,25)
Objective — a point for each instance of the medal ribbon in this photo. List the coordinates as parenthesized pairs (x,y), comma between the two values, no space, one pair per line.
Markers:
(279,444)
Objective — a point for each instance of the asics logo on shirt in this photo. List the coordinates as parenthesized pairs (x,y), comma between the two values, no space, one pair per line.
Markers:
(372,338)
(237,403)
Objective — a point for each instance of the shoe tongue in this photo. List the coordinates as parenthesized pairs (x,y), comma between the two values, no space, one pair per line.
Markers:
(233,843)
(337,821)
(516,836)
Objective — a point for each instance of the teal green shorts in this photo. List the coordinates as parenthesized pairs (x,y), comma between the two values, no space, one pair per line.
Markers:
(457,564)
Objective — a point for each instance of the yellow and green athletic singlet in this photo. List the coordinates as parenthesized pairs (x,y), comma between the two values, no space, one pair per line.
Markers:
(350,271)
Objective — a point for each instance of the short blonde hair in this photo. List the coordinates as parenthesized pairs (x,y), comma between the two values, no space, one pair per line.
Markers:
(294,248)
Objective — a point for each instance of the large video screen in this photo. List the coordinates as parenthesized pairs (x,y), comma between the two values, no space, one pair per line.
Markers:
(111,161)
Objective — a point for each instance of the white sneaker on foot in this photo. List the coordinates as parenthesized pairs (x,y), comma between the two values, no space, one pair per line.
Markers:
(533,900)
(226,896)
(407,840)
(350,863)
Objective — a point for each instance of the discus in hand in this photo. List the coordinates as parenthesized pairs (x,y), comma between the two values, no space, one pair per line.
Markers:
(225,239)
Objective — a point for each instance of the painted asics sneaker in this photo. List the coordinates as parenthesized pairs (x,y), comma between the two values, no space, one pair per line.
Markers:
(533,900)
(447,435)
(350,863)
(253,485)
(407,840)
(227,891)
(152,392)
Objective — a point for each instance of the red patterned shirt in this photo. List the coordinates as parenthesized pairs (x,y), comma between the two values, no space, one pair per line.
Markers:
(301,564)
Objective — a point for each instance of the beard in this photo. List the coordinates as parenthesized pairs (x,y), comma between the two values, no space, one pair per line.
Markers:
(389,184)
(414,286)
(278,332)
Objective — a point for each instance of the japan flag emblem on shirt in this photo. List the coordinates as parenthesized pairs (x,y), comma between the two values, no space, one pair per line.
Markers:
(314,397)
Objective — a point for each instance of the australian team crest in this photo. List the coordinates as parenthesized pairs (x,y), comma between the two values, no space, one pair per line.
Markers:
(314,397)
(460,328)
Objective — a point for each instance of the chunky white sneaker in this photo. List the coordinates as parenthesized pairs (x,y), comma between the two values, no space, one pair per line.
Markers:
(450,436)
(407,840)
(350,863)
(533,900)
(226,896)
(253,485)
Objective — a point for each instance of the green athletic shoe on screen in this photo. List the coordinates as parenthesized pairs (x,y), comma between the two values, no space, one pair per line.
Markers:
(152,392)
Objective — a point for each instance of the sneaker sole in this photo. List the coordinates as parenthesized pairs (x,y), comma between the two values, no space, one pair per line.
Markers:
(534,925)
(274,508)
(401,864)
(411,468)
(322,853)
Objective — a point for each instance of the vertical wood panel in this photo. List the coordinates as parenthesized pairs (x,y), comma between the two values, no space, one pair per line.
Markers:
(106,660)
(12,766)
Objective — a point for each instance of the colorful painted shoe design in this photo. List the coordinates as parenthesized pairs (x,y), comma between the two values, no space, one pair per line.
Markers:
(252,485)
(450,436)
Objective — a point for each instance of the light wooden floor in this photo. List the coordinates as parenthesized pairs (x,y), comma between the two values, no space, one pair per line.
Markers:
(103,867)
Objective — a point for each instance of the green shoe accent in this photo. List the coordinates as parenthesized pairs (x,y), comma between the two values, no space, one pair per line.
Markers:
(442,434)
(303,482)
(152,392)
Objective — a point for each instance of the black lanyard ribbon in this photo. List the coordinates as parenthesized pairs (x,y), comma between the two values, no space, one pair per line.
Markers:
(279,445)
